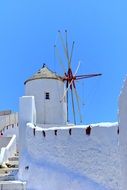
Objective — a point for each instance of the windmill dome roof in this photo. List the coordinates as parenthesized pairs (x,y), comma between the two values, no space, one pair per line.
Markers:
(44,73)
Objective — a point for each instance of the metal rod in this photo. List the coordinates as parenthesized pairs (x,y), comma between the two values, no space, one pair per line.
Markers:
(73,108)
(67,45)
(63,44)
(65,92)
(89,75)
(67,103)
(72,49)
(59,58)
(77,98)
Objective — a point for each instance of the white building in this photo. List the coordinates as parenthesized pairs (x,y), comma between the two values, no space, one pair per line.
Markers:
(47,89)
(55,155)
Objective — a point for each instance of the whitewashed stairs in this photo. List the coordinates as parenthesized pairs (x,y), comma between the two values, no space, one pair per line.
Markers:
(8,176)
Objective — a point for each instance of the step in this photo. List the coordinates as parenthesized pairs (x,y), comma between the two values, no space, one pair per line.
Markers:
(12,164)
(12,185)
(14,158)
(8,174)
(7,178)
(4,171)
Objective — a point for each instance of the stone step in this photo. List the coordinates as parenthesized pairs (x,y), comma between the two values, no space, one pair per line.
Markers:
(14,158)
(12,185)
(12,164)
(10,170)
(7,171)
(8,175)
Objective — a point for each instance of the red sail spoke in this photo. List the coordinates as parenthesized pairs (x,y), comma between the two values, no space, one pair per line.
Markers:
(77,77)
(69,77)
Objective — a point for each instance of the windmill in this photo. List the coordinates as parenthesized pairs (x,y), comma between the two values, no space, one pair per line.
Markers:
(69,77)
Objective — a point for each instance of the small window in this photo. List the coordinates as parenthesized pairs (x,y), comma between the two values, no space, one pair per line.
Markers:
(47,96)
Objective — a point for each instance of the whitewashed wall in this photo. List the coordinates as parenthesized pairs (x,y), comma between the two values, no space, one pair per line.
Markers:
(72,159)
(53,158)
(27,113)
(7,120)
(11,130)
(9,126)
(8,151)
(48,111)
(123,134)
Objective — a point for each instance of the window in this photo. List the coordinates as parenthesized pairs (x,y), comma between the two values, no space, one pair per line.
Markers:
(47,96)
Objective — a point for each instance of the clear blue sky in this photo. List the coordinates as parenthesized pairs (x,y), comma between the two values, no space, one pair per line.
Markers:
(28,29)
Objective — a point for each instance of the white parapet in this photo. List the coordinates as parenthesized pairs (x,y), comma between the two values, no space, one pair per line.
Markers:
(69,158)
(27,113)
(123,133)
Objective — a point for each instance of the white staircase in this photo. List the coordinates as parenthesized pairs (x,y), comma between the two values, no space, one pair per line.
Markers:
(8,157)
(8,175)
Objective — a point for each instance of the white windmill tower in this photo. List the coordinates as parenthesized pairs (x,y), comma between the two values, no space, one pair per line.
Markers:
(47,89)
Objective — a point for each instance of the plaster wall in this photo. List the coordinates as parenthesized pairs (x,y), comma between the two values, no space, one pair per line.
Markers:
(76,156)
(48,111)
(11,130)
(27,113)
(8,151)
(72,160)
(9,126)
(7,120)
(123,133)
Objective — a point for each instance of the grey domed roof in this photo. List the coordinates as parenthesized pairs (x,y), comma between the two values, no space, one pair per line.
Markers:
(44,73)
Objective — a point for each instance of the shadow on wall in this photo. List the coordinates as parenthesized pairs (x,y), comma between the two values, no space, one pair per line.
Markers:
(55,177)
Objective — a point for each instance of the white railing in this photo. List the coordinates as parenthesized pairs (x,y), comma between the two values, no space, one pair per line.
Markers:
(8,151)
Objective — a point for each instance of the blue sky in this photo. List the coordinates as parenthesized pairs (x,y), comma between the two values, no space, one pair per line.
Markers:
(28,30)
